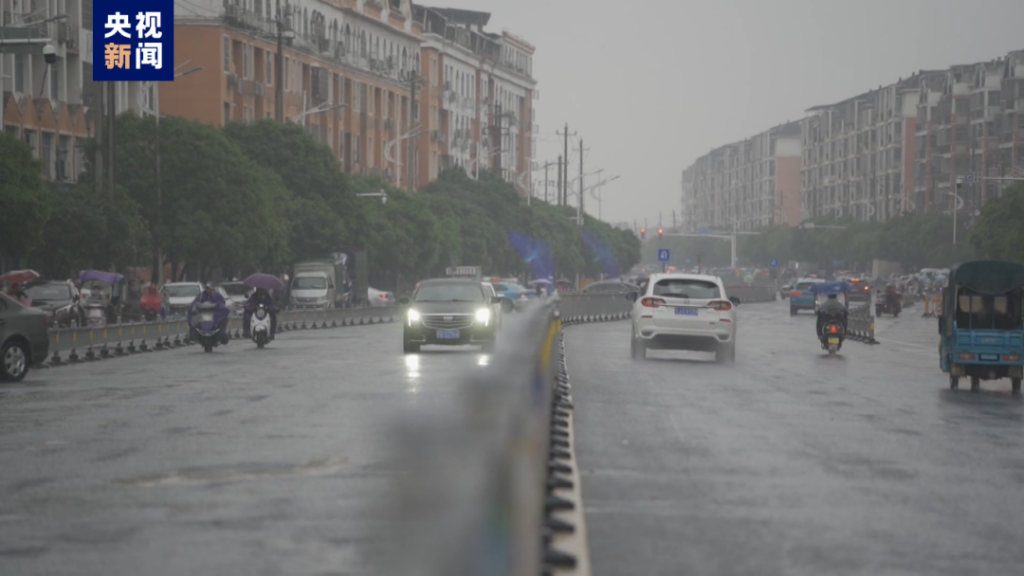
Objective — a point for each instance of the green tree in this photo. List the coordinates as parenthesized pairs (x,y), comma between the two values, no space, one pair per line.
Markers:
(24,199)
(999,234)
(220,210)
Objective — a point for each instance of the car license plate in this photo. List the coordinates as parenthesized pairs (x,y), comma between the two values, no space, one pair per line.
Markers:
(447,334)
(686,311)
(833,340)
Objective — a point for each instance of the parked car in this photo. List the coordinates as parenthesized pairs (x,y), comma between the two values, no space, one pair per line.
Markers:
(24,338)
(58,298)
(378,298)
(178,296)
(235,294)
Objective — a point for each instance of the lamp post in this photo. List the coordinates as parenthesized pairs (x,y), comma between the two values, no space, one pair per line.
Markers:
(382,195)
(318,110)
(155,111)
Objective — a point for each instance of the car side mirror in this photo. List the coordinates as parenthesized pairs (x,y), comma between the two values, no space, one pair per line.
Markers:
(496,299)
(76,298)
(735,301)
(631,296)
(403,300)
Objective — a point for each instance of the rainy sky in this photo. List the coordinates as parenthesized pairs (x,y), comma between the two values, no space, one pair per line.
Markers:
(651,85)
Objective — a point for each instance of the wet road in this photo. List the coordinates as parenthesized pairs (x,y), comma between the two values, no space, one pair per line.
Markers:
(791,462)
(240,462)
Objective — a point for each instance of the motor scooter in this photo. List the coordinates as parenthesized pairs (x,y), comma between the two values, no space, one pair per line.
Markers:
(204,322)
(259,326)
(832,336)
(888,304)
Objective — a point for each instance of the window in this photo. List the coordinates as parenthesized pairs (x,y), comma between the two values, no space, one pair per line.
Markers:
(287,72)
(19,72)
(54,84)
(684,288)
(227,55)
(227,112)
(270,69)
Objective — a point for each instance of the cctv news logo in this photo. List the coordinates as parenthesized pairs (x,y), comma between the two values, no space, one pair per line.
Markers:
(132,39)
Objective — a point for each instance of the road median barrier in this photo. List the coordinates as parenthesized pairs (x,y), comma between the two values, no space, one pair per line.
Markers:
(861,325)
(489,483)
(86,344)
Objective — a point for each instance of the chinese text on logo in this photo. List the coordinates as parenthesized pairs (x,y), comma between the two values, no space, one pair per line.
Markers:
(136,37)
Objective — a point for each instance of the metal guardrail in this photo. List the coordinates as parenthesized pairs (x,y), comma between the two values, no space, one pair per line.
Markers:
(492,476)
(97,343)
(861,325)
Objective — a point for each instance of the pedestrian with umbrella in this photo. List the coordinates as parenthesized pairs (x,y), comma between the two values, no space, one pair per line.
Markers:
(263,283)
(15,279)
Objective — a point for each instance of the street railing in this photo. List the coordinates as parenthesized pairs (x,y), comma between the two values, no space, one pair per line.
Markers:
(492,476)
(94,343)
(861,324)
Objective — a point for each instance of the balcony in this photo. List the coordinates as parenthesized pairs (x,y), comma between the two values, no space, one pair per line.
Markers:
(239,17)
(86,50)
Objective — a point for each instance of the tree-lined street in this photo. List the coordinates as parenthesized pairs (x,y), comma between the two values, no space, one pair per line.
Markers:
(791,462)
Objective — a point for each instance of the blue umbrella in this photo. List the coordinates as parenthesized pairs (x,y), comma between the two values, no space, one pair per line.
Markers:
(265,281)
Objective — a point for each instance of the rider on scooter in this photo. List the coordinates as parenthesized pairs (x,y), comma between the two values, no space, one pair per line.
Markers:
(830,309)
(260,296)
(152,303)
(221,314)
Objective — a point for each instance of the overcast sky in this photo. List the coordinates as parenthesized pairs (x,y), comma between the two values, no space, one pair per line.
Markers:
(651,85)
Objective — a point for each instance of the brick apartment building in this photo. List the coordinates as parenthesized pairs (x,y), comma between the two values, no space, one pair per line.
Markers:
(749,184)
(350,67)
(892,150)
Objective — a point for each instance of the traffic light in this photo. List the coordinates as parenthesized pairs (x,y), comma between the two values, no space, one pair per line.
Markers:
(643,233)
(661,232)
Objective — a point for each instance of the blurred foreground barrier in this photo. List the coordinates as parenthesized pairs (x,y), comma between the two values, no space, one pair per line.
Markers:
(753,294)
(72,345)
(861,325)
(489,485)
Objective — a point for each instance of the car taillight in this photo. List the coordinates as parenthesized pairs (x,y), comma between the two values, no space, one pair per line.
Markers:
(721,305)
(1011,357)
(652,302)
(796,293)
(965,356)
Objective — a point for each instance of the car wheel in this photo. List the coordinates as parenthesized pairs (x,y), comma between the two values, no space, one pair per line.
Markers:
(638,348)
(975,384)
(14,361)
(726,353)
(507,307)
(792,310)
(954,382)
(410,347)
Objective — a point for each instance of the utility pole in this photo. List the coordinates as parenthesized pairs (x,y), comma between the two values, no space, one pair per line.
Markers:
(546,164)
(498,127)
(580,205)
(279,67)
(563,185)
(412,123)
(558,190)
(673,219)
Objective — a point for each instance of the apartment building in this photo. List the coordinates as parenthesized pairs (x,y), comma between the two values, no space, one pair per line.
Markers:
(969,122)
(747,184)
(51,106)
(379,81)
(486,94)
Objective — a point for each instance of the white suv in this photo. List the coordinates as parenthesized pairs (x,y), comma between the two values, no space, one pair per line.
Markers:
(684,312)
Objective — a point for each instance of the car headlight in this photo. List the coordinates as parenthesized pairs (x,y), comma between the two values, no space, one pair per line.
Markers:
(483,315)
(414,316)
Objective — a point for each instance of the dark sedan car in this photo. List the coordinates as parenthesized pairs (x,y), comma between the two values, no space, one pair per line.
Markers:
(449,312)
(611,287)
(59,299)
(24,339)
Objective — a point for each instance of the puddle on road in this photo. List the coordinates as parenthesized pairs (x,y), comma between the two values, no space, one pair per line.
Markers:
(237,473)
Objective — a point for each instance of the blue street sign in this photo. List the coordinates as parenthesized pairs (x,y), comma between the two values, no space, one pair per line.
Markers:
(663,255)
(774,263)
(134,41)
(969,178)
(705,231)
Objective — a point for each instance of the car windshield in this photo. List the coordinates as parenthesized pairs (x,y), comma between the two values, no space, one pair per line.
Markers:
(309,283)
(50,293)
(182,291)
(236,289)
(499,288)
(804,285)
(687,288)
(449,293)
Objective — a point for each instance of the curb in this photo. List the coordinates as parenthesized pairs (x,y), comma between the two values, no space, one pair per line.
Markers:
(104,352)
(565,528)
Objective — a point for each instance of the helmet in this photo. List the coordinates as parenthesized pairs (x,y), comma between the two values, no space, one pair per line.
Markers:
(208,286)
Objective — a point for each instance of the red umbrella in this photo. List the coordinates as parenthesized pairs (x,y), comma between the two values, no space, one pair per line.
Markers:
(19,276)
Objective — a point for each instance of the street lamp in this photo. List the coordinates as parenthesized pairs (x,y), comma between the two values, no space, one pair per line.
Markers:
(318,110)
(382,195)
(155,111)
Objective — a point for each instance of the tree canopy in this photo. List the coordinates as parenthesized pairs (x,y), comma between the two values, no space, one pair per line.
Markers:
(24,199)
(1000,232)
(261,196)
